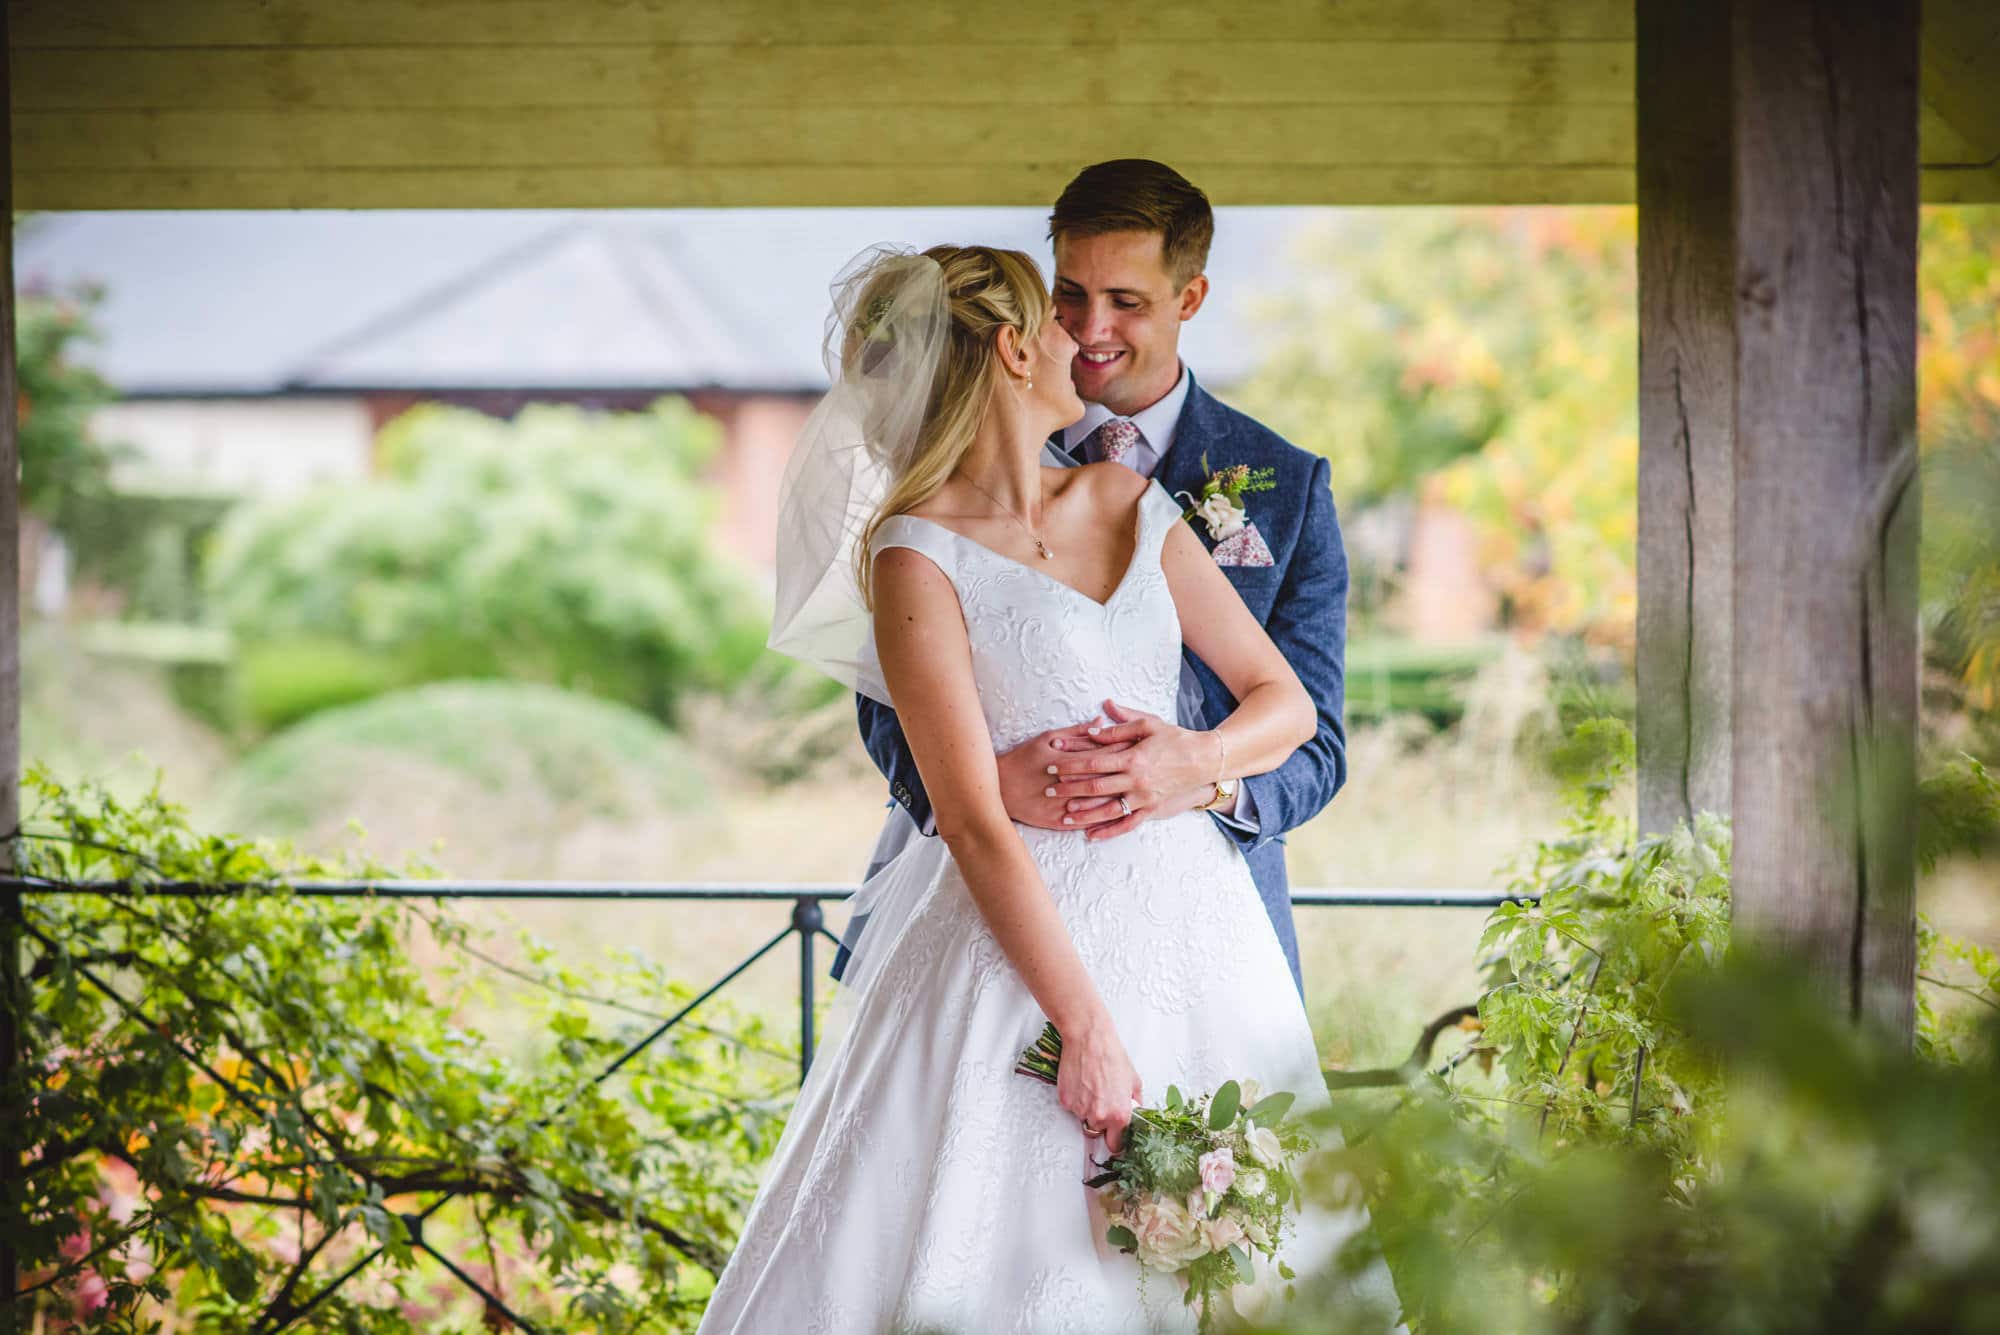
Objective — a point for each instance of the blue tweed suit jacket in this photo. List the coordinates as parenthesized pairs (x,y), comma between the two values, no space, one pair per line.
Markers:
(1301,598)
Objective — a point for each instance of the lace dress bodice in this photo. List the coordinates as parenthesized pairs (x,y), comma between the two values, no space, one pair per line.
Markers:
(1045,655)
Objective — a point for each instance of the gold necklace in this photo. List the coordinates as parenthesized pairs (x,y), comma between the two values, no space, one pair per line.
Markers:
(1040,546)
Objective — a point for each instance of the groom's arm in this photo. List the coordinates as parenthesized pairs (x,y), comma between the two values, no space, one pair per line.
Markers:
(882,734)
(1309,625)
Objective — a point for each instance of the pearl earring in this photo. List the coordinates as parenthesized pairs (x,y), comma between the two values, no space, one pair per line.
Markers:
(1031,382)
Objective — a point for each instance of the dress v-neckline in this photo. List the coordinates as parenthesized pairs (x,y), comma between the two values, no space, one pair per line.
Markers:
(1138,546)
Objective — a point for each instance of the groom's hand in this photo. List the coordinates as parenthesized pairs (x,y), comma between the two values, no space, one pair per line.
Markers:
(1027,787)
(1159,768)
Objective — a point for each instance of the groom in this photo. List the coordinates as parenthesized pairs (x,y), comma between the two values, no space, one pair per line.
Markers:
(1131,241)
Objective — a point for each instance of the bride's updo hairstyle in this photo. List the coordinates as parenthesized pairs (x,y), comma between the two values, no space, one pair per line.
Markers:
(985,289)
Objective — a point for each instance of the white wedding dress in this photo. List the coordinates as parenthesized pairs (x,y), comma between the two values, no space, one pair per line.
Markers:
(921,1185)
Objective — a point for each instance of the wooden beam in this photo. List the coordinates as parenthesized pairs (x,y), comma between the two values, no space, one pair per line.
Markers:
(1961,126)
(13,996)
(1825,644)
(901,75)
(1960,59)
(543,23)
(814,134)
(1032,184)
(1687,405)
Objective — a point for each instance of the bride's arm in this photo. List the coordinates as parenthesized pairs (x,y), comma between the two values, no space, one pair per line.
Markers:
(1161,768)
(920,638)
(1274,715)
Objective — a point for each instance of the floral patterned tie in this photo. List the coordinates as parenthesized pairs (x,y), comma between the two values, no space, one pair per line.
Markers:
(1113,441)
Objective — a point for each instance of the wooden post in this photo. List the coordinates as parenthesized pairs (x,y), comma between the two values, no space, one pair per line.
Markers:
(1825,644)
(10,706)
(1687,407)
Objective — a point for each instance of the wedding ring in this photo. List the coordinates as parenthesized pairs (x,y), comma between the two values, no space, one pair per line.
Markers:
(1124,805)
(1092,1131)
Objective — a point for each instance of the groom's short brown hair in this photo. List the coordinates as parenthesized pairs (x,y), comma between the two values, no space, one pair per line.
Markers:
(1139,195)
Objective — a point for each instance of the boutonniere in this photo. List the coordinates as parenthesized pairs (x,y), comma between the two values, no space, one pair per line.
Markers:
(1220,504)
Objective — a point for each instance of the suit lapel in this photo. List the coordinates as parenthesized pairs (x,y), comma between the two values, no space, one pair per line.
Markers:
(1200,432)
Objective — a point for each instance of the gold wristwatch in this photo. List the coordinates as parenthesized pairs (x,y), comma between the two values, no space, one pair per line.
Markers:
(1225,795)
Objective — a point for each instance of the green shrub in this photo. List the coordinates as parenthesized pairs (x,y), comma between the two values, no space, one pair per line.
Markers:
(566,547)
(227,1100)
(281,682)
(60,463)
(1646,1129)
(592,755)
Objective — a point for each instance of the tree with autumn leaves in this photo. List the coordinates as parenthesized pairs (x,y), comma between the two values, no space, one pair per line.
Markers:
(1488,359)
(1485,360)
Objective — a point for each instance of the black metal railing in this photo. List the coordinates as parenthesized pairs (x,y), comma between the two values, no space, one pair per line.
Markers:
(807,922)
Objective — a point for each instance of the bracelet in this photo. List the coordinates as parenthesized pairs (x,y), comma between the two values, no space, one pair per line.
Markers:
(1222,758)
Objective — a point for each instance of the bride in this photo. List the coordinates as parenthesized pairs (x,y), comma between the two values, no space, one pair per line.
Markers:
(930,559)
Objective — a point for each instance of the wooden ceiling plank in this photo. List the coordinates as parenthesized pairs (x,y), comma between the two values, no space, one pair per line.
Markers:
(818,135)
(1227,182)
(640,75)
(1960,76)
(542,23)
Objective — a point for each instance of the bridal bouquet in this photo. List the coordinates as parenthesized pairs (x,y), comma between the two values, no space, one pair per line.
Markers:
(1202,1184)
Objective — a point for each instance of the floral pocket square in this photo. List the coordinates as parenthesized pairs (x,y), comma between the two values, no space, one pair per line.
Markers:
(1245,547)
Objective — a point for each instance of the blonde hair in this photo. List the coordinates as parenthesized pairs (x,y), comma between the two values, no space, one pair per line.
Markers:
(985,290)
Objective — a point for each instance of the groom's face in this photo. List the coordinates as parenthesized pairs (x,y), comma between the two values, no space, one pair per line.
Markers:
(1118,301)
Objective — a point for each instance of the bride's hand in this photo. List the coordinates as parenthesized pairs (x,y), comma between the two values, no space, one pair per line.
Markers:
(1024,774)
(1156,767)
(1098,1083)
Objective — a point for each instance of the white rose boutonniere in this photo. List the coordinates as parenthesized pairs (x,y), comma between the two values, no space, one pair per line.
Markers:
(1220,505)
(1222,514)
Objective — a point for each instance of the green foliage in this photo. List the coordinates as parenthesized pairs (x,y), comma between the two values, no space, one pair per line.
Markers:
(1576,1166)
(229,1099)
(1961,565)
(279,682)
(1575,1020)
(1964,973)
(60,462)
(1387,675)
(146,542)
(1958,811)
(1853,1187)
(598,756)
(565,546)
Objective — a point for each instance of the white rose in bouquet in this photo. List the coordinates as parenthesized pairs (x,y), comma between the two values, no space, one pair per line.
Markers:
(1222,1234)
(1264,1145)
(1252,1301)
(1169,1237)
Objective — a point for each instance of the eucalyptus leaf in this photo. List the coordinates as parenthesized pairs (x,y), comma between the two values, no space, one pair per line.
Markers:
(1222,1109)
(1271,1109)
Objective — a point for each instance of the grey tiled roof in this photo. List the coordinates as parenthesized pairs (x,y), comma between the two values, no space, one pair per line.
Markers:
(262,303)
